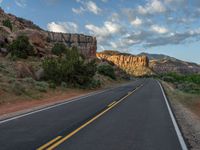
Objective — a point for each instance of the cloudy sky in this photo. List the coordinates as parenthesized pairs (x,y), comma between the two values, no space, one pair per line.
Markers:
(169,27)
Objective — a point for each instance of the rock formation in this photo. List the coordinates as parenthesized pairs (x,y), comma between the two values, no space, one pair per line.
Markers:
(43,40)
(134,65)
(87,45)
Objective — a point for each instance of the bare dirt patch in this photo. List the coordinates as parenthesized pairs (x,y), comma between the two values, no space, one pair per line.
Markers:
(49,98)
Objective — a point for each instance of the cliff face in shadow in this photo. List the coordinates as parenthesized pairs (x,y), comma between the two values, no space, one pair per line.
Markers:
(86,44)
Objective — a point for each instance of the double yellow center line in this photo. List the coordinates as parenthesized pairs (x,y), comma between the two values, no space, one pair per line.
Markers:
(59,140)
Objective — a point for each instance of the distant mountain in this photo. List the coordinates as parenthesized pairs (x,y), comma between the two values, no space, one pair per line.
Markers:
(164,64)
(157,56)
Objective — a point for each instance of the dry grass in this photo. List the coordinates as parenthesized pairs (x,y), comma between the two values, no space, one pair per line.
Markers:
(191,101)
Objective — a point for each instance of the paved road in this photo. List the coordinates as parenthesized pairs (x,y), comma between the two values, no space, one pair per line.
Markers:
(130,117)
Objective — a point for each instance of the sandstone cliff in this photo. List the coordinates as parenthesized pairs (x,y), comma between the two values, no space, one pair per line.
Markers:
(86,44)
(133,65)
(43,40)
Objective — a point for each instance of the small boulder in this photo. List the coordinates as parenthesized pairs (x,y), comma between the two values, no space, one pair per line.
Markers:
(39,74)
(23,70)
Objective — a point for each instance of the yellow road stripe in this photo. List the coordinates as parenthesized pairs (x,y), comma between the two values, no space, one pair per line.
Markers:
(49,143)
(111,103)
(89,122)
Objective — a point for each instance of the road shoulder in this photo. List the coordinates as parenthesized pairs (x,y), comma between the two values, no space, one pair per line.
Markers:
(23,107)
(188,120)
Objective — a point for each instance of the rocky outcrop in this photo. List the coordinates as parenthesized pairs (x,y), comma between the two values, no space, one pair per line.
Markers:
(43,40)
(134,65)
(23,70)
(87,45)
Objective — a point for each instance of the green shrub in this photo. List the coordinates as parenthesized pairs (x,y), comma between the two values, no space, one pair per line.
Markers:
(18,88)
(83,73)
(58,49)
(95,84)
(168,79)
(70,68)
(107,70)
(29,80)
(57,69)
(21,47)
(8,24)
(63,84)
(42,86)
(187,83)
(52,85)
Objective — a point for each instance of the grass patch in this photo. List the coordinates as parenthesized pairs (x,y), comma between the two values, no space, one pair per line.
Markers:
(189,100)
(185,83)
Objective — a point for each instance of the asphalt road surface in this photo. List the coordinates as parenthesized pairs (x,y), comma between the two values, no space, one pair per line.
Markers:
(134,116)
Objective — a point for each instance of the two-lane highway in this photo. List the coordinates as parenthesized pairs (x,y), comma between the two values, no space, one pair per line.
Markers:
(133,116)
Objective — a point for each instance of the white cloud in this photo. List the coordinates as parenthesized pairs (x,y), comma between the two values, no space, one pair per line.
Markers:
(136,22)
(21,3)
(123,44)
(1,1)
(108,30)
(92,7)
(88,6)
(153,6)
(175,38)
(159,29)
(78,10)
(63,27)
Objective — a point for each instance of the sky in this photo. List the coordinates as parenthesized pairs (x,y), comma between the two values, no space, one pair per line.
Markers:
(170,27)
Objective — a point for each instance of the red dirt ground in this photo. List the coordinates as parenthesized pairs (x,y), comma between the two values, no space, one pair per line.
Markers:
(49,99)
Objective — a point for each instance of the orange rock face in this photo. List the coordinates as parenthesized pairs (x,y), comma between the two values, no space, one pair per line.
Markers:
(133,65)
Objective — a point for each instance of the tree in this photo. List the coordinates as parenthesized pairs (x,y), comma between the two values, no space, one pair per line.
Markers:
(7,23)
(58,49)
(21,47)
(71,69)
(107,70)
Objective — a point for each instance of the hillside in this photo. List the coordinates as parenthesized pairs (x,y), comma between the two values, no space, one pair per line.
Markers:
(42,41)
(34,63)
(157,56)
(165,64)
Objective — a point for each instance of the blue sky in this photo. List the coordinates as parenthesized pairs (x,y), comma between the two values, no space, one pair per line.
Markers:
(169,27)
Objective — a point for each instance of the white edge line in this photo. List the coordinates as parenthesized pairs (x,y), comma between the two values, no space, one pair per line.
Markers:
(53,106)
(56,105)
(178,132)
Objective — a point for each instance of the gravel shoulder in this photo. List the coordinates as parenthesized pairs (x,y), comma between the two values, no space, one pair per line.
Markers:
(186,114)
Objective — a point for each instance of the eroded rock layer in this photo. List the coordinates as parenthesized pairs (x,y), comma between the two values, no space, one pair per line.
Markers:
(134,65)
(86,44)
